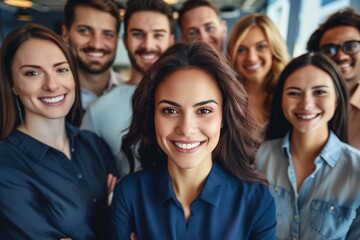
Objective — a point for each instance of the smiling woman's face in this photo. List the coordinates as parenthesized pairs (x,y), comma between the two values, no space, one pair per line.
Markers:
(188,117)
(43,80)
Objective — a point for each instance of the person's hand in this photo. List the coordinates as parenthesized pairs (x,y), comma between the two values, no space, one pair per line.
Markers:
(111,181)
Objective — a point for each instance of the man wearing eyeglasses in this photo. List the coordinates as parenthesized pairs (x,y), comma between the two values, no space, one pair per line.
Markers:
(339,38)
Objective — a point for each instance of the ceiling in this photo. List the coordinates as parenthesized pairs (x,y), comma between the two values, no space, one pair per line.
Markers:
(57,5)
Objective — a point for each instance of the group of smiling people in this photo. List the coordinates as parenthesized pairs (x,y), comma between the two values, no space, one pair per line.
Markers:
(243,145)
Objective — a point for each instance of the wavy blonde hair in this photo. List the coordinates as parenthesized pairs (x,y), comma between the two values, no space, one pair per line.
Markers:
(277,45)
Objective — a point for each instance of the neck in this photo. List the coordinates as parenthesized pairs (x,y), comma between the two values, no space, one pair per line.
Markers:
(187,183)
(307,146)
(50,132)
(96,83)
(254,86)
(352,85)
(135,77)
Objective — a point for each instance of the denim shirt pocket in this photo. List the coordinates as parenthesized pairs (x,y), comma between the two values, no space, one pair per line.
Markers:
(330,220)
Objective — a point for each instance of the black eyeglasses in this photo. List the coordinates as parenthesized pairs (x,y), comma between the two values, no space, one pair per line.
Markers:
(349,47)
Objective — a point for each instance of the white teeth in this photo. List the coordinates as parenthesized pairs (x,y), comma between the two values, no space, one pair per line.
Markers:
(187,146)
(253,67)
(53,100)
(149,57)
(95,54)
(306,116)
(345,66)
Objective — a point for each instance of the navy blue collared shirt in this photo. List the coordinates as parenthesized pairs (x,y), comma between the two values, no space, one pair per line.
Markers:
(44,195)
(226,208)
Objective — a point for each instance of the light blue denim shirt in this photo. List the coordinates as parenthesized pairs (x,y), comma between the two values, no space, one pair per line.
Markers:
(327,205)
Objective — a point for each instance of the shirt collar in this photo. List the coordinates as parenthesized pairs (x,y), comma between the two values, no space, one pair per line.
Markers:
(115,79)
(32,147)
(330,152)
(211,192)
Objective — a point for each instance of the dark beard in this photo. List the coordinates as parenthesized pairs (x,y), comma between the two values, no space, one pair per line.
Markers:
(134,64)
(86,68)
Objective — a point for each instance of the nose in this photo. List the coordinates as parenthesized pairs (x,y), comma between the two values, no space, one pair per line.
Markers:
(148,42)
(252,54)
(95,41)
(340,55)
(307,101)
(51,83)
(187,126)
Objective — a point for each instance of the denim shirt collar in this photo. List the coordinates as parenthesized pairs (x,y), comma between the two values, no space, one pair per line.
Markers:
(34,148)
(211,192)
(330,152)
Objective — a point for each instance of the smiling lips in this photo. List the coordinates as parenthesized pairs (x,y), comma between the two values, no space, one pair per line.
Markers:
(187,146)
(306,116)
(95,54)
(56,99)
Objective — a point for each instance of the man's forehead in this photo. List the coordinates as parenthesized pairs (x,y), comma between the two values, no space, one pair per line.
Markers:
(340,34)
(200,16)
(149,21)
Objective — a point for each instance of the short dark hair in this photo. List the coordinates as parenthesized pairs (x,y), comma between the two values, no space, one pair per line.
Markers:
(191,4)
(238,138)
(109,6)
(133,6)
(278,124)
(10,117)
(345,17)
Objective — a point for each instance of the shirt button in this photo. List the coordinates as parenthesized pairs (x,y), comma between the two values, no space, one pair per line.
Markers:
(94,200)
(276,189)
(79,176)
(72,150)
(332,208)
(296,217)
(312,176)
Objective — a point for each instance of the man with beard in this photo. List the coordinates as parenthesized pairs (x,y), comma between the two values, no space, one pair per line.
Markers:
(200,19)
(148,32)
(91,29)
(339,38)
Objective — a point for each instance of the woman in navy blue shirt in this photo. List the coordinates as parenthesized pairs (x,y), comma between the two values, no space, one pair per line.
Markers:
(53,177)
(196,142)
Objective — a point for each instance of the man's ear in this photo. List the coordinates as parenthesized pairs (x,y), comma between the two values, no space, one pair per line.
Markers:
(124,39)
(65,33)
(172,39)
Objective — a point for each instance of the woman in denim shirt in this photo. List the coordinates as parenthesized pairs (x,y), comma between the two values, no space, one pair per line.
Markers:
(314,174)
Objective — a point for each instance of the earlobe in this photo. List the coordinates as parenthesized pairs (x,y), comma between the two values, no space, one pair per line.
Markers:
(14,91)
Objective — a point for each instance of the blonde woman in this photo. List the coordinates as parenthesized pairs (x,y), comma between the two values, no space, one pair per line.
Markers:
(259,54)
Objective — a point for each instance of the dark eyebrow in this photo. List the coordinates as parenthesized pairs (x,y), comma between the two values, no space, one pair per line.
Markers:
(205,102)
(316,87)
(170,102)
(142,31)
(35,66)
(195,105)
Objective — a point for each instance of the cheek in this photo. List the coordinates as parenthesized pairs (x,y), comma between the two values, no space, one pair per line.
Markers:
(212,129)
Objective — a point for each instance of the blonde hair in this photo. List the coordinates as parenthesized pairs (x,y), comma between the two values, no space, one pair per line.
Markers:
(277,44)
